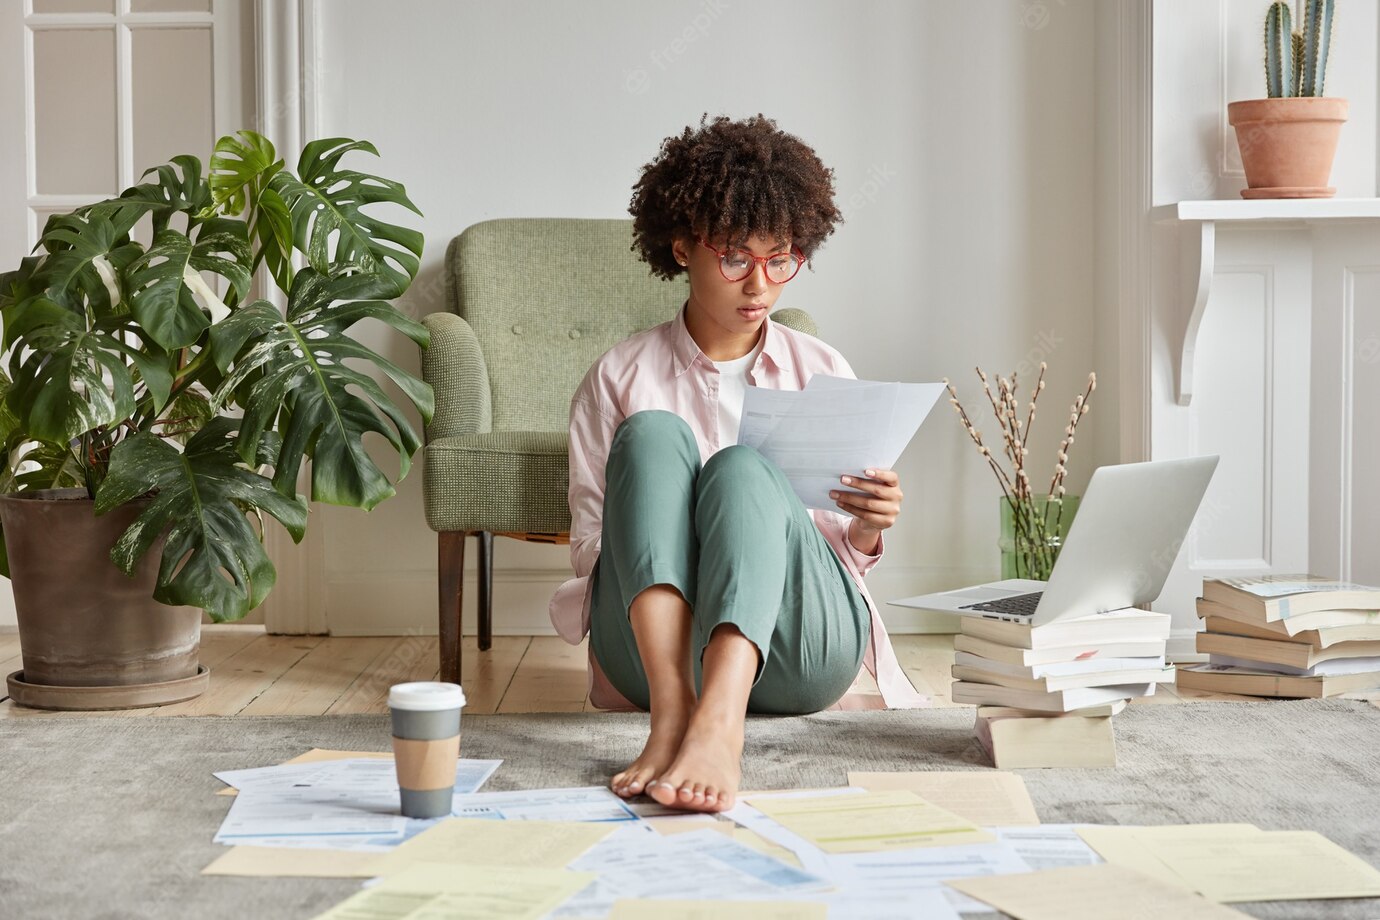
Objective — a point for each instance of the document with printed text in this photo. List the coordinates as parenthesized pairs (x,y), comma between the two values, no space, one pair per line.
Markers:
(835,426)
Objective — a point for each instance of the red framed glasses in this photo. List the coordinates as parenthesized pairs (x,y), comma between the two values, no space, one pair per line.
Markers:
(737,264)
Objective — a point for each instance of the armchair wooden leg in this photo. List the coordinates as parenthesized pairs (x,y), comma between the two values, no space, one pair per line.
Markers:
(486,590)
(451,578)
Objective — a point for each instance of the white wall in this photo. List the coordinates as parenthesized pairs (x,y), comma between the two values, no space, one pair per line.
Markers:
(1288,353)
(962,139)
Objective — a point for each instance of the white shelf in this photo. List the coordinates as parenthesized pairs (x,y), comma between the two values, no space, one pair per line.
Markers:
(1197,222)
(1270,209)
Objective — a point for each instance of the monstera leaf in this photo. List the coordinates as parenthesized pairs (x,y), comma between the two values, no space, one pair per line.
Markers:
(212,558)
(172,194)
(327,201)
(241,170)
(290,372)
(166,280)
(187,414)
(54,466)
(86,254)
(69,380)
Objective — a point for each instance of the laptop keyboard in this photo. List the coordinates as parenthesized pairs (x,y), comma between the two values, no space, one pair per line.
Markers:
(1019,605)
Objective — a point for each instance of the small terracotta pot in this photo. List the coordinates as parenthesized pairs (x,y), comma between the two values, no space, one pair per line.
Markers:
(1287,144)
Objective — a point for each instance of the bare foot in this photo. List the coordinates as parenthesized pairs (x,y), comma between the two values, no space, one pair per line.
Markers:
(667,731)
(707,769)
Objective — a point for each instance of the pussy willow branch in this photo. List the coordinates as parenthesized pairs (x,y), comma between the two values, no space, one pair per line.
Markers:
(1002,478)
(1015,436)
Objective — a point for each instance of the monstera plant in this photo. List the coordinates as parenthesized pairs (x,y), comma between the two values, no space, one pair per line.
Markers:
(131,377)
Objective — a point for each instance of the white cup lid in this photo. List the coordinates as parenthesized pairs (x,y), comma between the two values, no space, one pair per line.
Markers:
(426,695)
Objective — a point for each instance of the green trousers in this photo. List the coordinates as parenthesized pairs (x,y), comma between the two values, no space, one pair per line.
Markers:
(741,548)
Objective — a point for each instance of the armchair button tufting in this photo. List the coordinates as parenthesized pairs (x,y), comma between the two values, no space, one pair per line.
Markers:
(517,329)
(574,333)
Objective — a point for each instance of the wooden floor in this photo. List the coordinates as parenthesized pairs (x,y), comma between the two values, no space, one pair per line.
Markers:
(255,674)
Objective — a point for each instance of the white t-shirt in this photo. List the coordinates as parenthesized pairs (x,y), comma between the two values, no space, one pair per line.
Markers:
(733,384)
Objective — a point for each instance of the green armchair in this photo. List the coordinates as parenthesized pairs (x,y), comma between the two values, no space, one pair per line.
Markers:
(530,305)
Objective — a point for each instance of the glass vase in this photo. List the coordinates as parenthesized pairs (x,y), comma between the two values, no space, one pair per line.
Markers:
(1032,533)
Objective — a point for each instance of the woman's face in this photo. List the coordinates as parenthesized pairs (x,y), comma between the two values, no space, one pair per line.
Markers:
(728,310)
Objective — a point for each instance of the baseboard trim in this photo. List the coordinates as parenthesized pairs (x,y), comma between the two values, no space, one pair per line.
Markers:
(1182,647)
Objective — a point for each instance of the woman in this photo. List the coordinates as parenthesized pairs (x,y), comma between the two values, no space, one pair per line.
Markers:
(707,588)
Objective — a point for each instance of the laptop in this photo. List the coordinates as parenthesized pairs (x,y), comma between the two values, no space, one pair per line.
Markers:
(1123,541)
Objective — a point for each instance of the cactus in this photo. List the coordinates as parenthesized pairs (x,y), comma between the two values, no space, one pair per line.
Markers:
(1317,36)
(1297,77)
(1296,62)
(1278,51)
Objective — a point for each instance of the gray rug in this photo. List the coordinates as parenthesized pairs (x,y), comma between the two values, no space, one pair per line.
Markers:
(104,818)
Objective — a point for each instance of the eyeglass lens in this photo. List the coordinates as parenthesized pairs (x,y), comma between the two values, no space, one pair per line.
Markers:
(737,264)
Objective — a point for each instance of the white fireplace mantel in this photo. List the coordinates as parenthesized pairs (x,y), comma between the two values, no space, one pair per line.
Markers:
(1197,251)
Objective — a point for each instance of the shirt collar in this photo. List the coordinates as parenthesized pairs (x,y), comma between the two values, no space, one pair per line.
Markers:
(775,346)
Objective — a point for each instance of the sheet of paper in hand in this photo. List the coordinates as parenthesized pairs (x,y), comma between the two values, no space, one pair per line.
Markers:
(834,427)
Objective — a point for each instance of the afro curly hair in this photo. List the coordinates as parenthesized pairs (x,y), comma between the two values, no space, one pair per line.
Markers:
(731,181)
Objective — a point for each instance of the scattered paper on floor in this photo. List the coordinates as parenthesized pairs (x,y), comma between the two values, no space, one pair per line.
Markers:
(1090,893)
(484,842)
(871,821)
(462,893)
(1267,866)
(986,798)
(274,862)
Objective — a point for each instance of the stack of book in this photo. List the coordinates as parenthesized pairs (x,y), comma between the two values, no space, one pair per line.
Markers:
(1046,694)
(1287,636)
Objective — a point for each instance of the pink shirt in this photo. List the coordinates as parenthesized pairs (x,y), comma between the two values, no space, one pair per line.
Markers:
(663,368)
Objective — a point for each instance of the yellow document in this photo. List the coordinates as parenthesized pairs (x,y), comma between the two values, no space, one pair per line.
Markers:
(430,891)
(478,842)
(1100,892)
(1268,866)
(317,755)
(282,862)
(649,909)
(1126,846)
(871,821)
(986,798)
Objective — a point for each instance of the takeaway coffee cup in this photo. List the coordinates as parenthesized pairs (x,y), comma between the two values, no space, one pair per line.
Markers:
(426,744)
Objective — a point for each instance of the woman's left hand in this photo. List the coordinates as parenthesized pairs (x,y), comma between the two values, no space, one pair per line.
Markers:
(876,503)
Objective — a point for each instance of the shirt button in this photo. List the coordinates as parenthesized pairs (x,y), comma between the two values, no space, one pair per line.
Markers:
(574,333)
(517,329)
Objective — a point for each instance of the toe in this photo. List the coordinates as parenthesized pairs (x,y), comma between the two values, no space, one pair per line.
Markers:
(662,792)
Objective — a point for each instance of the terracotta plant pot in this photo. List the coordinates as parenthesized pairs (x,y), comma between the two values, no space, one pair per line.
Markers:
(1287,144)
(90,636)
